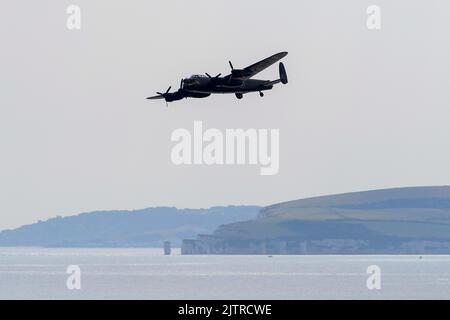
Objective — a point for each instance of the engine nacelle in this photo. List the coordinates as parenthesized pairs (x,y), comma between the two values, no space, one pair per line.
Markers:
(240,73)
(178,95)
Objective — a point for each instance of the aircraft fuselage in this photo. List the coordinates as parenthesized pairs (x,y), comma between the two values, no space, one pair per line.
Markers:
(222,85)
(237,82)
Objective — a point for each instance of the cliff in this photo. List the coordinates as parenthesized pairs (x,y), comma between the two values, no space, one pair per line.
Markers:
(401,220)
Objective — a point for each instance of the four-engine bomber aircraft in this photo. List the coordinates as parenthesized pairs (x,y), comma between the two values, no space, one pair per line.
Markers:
(237,82)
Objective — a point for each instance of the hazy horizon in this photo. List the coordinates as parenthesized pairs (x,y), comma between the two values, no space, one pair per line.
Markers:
(220,205)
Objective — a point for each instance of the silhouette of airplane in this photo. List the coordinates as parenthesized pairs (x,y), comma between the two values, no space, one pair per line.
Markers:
(238,82)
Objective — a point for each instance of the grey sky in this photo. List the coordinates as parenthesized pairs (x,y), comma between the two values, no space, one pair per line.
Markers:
(363,109)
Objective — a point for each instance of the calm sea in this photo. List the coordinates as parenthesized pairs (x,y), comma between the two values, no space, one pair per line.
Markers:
(36,273)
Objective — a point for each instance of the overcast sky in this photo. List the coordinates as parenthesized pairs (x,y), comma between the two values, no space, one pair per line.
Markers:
(363,109)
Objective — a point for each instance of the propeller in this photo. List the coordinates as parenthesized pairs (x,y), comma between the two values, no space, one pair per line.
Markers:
(165,93)
(216,77)
(171,96)
(232,70)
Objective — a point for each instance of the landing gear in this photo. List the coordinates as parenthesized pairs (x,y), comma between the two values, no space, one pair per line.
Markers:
(261,94)
(239,95)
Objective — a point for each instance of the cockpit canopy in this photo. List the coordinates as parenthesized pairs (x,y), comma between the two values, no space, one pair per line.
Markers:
(192,81)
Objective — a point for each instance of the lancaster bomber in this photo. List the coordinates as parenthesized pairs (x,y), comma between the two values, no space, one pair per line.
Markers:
(238,82)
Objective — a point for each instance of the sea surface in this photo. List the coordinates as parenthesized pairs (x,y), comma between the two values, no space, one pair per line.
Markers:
(37,273)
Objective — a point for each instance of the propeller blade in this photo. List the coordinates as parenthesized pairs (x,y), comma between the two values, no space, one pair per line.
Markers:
(163,95)
(231,65)
(218,75)
(207,74)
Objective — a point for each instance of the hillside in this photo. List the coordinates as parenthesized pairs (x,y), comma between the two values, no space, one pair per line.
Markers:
(140,228)
(400,220)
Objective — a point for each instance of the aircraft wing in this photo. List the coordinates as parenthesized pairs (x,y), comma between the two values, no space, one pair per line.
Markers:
(256,68)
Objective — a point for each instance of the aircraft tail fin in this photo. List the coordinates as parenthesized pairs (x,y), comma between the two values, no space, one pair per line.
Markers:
(283,76)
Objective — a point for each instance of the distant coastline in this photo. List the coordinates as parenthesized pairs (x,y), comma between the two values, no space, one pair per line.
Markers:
(125,229)
(389,221)
(413,220)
